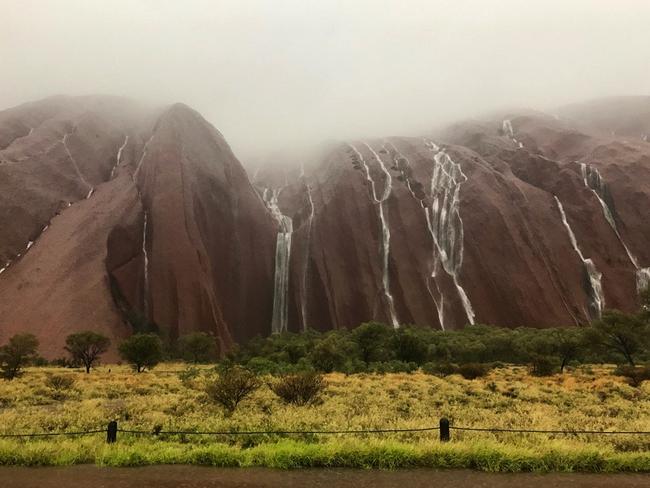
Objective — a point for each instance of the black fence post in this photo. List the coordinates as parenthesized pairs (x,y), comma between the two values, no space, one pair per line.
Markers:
(444,430)
(111,432)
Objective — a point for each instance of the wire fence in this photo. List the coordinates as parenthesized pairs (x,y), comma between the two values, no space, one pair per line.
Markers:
(444,428)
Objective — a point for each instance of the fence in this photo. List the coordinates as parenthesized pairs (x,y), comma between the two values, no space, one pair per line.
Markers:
(444,429)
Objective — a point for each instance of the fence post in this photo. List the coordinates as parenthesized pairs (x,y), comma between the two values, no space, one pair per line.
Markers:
(444,430)
(111,432)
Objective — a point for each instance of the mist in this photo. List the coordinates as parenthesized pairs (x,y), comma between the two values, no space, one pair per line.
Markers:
(276,74)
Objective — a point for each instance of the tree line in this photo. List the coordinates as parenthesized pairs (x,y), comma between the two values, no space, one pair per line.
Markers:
(373,347)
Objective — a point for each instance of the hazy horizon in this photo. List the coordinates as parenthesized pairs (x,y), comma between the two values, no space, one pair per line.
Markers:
(272,75)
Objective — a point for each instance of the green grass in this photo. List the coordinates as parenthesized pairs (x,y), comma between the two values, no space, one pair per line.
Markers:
(587,398)
(481,455)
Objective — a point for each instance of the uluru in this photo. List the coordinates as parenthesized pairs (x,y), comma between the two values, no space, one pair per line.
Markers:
(121,217)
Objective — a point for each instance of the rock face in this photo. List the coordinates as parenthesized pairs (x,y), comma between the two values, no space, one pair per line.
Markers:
(521,220)
(119,218)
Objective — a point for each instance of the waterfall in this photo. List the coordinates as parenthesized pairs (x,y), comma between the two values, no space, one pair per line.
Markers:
(594,181)
(282,260)
(385,229)
(119,156)
(444,221)
(438,303)
(141,160)
(596,297)
(64,141)
(509,131)
(304,296)
(145,294)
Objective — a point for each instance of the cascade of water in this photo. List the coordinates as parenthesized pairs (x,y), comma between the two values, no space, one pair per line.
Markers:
(594,181)
(64,141)
(305,295)
(399,159)
(145,299)
(282,260)
(445,223)
(596,296)
(144,154)
(385,230)
(119,156)
(509,131)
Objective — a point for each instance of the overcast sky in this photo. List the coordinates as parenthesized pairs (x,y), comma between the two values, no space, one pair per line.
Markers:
(271,74)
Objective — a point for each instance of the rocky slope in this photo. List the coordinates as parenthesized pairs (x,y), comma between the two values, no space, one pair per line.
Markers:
(119,217)
(520,219)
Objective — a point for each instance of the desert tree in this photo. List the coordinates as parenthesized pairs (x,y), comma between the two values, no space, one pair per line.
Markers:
(616,331)
(142,351)
(86,347)
(198,347)
(16,354)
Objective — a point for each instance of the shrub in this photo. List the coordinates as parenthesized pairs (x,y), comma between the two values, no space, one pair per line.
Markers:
(198,347)
(634,375)
(542,366)
(233,384)
(300,388)
(188,376)
(263,366)
(16,354)
(440,369)
(392,367)
(471,371)
(142,351)
(59,382)
(329,354)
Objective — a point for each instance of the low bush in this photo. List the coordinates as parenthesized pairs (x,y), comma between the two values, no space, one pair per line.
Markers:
(439,369)
(471,371)
(233,385)
(634,375)
(59,382)
(542,366)
(300,388)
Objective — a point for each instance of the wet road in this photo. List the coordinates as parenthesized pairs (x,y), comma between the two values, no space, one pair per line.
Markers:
(205,477)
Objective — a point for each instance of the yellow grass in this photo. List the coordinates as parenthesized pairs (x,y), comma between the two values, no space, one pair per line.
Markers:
(589,398)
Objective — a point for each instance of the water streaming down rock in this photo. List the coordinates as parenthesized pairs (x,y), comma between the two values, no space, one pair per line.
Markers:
(145,256)
(64,141)
(400,161)
(509,131)
(279,320)
(594,181)
(595,288)
(119,156)
(141,160)
(304,292)
(385,230)
(445,223)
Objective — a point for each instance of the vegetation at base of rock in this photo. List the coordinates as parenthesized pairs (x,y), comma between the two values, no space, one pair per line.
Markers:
(300,388)
(197,347)
(142,351)
(86,347)
(232,385)
(16,354)
(173,397)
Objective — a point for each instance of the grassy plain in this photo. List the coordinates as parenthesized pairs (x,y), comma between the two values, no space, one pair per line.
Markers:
(587,398)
